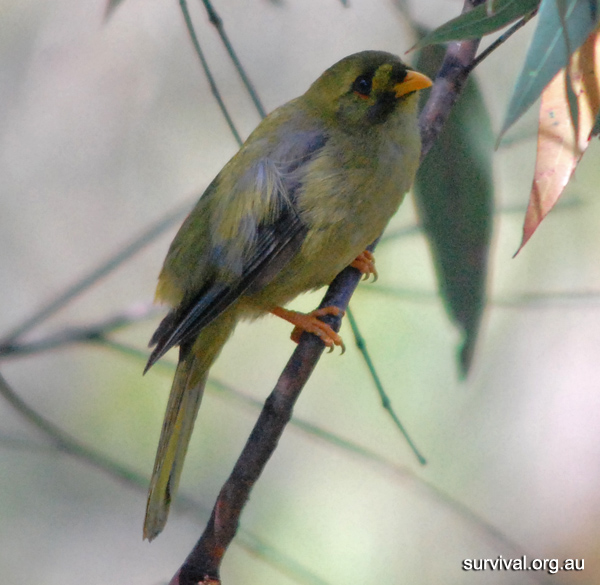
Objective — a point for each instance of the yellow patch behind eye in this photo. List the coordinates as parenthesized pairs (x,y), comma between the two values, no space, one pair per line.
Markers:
(381,79)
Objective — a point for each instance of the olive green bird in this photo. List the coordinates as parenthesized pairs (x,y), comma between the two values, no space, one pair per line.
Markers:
(311,188)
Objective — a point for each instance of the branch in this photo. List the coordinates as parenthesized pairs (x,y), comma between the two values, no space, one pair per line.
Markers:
(203,563)
(88,333)
(448,85)
(209,76)
(135,246)
(67,444)
(217,22)
(63,442)
(386,403)
(502,39)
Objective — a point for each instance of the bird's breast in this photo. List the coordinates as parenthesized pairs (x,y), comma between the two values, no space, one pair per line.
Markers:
(346,200)
(349,209)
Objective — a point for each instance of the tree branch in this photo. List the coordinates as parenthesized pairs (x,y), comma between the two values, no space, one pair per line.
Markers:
(203,563)
(63,442)
(217,22)
(448,85)
(209,76)
(124,254)
(88,333)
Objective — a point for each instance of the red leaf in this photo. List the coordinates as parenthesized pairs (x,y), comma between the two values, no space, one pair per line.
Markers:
(560,144)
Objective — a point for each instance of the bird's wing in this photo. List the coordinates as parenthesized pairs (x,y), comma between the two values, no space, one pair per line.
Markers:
(247,249)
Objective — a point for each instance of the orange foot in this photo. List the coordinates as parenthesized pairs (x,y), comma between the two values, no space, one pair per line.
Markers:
(310,323)
(365,262)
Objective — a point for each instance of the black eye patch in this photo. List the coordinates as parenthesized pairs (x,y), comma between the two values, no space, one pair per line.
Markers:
(362,84)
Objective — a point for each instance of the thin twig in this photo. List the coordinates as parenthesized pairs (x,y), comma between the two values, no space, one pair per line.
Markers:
(502,39)
(447,87)
(67,444)
(489,531)
(145,238)
(385,399)
(535,300)
(203,563)
(98,333)
(277,409)
(209,76)
(217,22)
(87,333)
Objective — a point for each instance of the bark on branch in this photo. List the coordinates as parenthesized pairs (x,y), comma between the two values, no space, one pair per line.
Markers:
(203,563)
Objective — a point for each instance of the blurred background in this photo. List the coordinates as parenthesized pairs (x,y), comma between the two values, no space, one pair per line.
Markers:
(106,127)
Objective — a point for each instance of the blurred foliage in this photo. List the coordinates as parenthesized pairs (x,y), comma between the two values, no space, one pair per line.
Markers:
(454,184)
(479,21)
(565,129)
(454,191)
(98,119)
(562,27)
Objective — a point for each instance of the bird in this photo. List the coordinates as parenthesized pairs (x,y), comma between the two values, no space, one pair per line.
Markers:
(313,185)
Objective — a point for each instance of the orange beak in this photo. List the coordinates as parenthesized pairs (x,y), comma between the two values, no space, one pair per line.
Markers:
(414,81)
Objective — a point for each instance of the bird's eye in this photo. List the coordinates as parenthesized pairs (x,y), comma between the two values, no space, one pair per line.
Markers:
(362,85)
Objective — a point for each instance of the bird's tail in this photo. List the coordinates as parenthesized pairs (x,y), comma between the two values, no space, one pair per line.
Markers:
(182,408)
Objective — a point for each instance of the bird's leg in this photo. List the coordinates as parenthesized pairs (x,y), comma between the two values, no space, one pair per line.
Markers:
(312,324)
(365,262)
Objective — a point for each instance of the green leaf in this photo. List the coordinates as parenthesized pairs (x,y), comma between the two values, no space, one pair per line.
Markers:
(111,6)
(596,128)
(563,26)
(454,195)
(478,22)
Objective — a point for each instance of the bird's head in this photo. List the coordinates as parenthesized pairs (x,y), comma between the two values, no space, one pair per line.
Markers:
(364,89)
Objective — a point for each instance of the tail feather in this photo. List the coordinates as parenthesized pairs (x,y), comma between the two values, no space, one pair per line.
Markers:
(182,408)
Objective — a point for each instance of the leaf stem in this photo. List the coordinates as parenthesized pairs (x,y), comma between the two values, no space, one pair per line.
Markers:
(385,399)
(209,76)
(502,39)
(217,22)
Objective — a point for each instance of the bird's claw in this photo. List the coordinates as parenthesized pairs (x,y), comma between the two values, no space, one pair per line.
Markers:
(311,323)
(365,262)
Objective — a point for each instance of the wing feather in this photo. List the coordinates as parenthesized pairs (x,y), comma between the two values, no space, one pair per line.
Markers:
(268,247)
